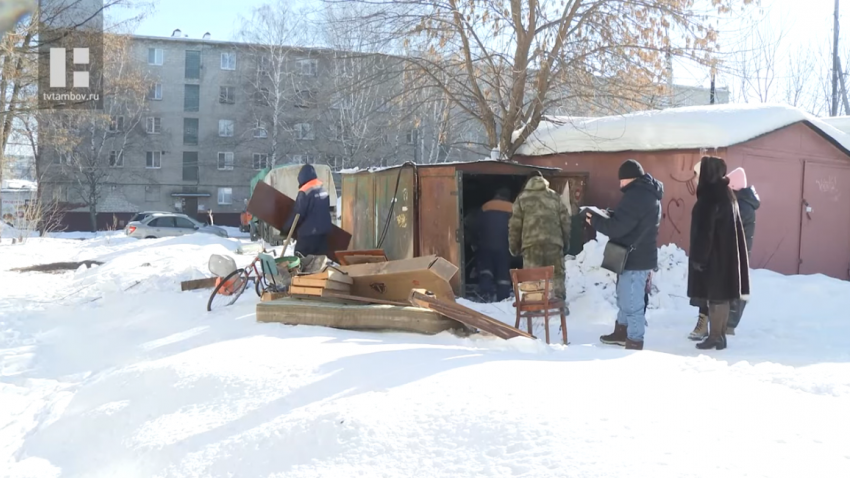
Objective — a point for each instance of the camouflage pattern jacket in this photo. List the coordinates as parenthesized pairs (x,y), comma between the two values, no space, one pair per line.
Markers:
(539,218)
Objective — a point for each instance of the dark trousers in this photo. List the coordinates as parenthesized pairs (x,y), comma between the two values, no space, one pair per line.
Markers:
(494,273)
(736,311)
(312,245)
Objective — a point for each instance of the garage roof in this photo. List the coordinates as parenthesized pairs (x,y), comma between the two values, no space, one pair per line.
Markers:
(699,127)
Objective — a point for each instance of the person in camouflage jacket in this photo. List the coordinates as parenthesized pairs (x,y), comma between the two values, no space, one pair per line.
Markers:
(539,230)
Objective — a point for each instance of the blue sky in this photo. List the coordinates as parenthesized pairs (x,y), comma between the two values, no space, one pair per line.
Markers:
(195,17)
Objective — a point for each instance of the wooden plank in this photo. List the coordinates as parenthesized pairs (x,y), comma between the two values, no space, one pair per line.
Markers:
(331,273)
(327,294)
(321,284)
(270,296)
(368,256)
(306,291)
(465,315)
(355,317)
(205,283)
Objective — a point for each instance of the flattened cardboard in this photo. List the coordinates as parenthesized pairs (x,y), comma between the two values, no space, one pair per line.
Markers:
(393,280)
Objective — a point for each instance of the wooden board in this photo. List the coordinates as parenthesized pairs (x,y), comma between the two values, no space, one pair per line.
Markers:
(533,296)
(321,284)
(465,315)
(327,294)
(293,311)
(317,291)
(330,274)
(269,296)
(206,283)
(533,286)
(273,207)
(368,256)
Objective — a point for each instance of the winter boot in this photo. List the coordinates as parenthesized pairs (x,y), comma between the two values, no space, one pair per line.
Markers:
(718,316)
(701,330)
(634,345)
(617,337)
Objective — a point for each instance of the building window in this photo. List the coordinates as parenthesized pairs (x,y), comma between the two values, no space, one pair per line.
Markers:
(116,124)
(193,65)
(151,193)
(261,97)
(263,64)
(260,130)
(191,98)
(153,125)
(153,160)
(155,56)
(225,128)
(308,67)
(190,131)
(340,132)
(305,99)
(155,93)
(410,137)
(225,196)
(227,94)
(190,165)
(261,161)
(225,161)
(304,131)
(65,158)
(116,159)
(228,60)
(295,158)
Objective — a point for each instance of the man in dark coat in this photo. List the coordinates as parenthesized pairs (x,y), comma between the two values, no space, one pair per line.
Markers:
(633,223)
(748,203)
(718,272)
(313,204)
(494,257)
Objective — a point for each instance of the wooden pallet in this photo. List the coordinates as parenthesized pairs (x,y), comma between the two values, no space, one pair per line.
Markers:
(465,315)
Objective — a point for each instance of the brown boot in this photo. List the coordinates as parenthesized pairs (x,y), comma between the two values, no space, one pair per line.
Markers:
(634,345)
(701,329)
(718,316)
(617,337)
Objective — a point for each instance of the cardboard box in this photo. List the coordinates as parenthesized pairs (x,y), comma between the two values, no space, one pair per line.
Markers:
(394,280)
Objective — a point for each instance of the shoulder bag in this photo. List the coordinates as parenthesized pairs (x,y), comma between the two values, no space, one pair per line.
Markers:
(615,256)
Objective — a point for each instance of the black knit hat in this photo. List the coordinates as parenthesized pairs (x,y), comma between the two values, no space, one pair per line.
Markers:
(630,169)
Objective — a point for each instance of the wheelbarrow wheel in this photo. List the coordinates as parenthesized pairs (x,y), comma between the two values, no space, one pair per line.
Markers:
(228,290)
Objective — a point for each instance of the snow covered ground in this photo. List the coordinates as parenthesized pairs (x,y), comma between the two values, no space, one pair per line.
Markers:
(112,372)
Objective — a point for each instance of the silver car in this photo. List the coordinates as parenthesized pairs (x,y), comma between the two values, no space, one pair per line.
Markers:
(169,225)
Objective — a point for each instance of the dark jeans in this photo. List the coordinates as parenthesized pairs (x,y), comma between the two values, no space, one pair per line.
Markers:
(312,245)
(494,273)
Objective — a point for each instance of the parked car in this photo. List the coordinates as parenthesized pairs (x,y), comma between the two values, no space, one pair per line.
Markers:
(140,216)
(169,225)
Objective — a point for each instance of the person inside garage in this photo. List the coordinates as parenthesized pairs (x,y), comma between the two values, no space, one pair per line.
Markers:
(494,257)
(312,205)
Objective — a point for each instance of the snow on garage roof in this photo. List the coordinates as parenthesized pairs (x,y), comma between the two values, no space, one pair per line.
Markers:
(715,126)
(840,122)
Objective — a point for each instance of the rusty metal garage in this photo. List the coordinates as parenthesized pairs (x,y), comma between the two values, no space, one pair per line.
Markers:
(416,210)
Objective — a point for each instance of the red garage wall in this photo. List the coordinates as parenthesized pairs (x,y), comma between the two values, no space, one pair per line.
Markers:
(787,167)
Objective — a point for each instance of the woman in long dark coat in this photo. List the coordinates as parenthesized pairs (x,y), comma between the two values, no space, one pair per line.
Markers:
(719,266)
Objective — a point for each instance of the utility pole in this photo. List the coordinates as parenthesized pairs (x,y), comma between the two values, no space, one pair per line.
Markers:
(835,65)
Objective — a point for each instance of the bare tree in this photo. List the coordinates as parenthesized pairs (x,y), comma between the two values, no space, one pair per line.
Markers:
(503,57)
(88,145)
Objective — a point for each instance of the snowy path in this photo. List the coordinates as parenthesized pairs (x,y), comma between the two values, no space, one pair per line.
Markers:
(110,372)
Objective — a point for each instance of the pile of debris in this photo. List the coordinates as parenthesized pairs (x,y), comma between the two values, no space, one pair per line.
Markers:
(368,292)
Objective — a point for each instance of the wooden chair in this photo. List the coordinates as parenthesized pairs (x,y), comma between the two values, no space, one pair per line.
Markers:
(538,308)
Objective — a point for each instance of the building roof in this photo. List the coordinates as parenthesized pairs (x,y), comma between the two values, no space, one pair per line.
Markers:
(482,162)
(697,127)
